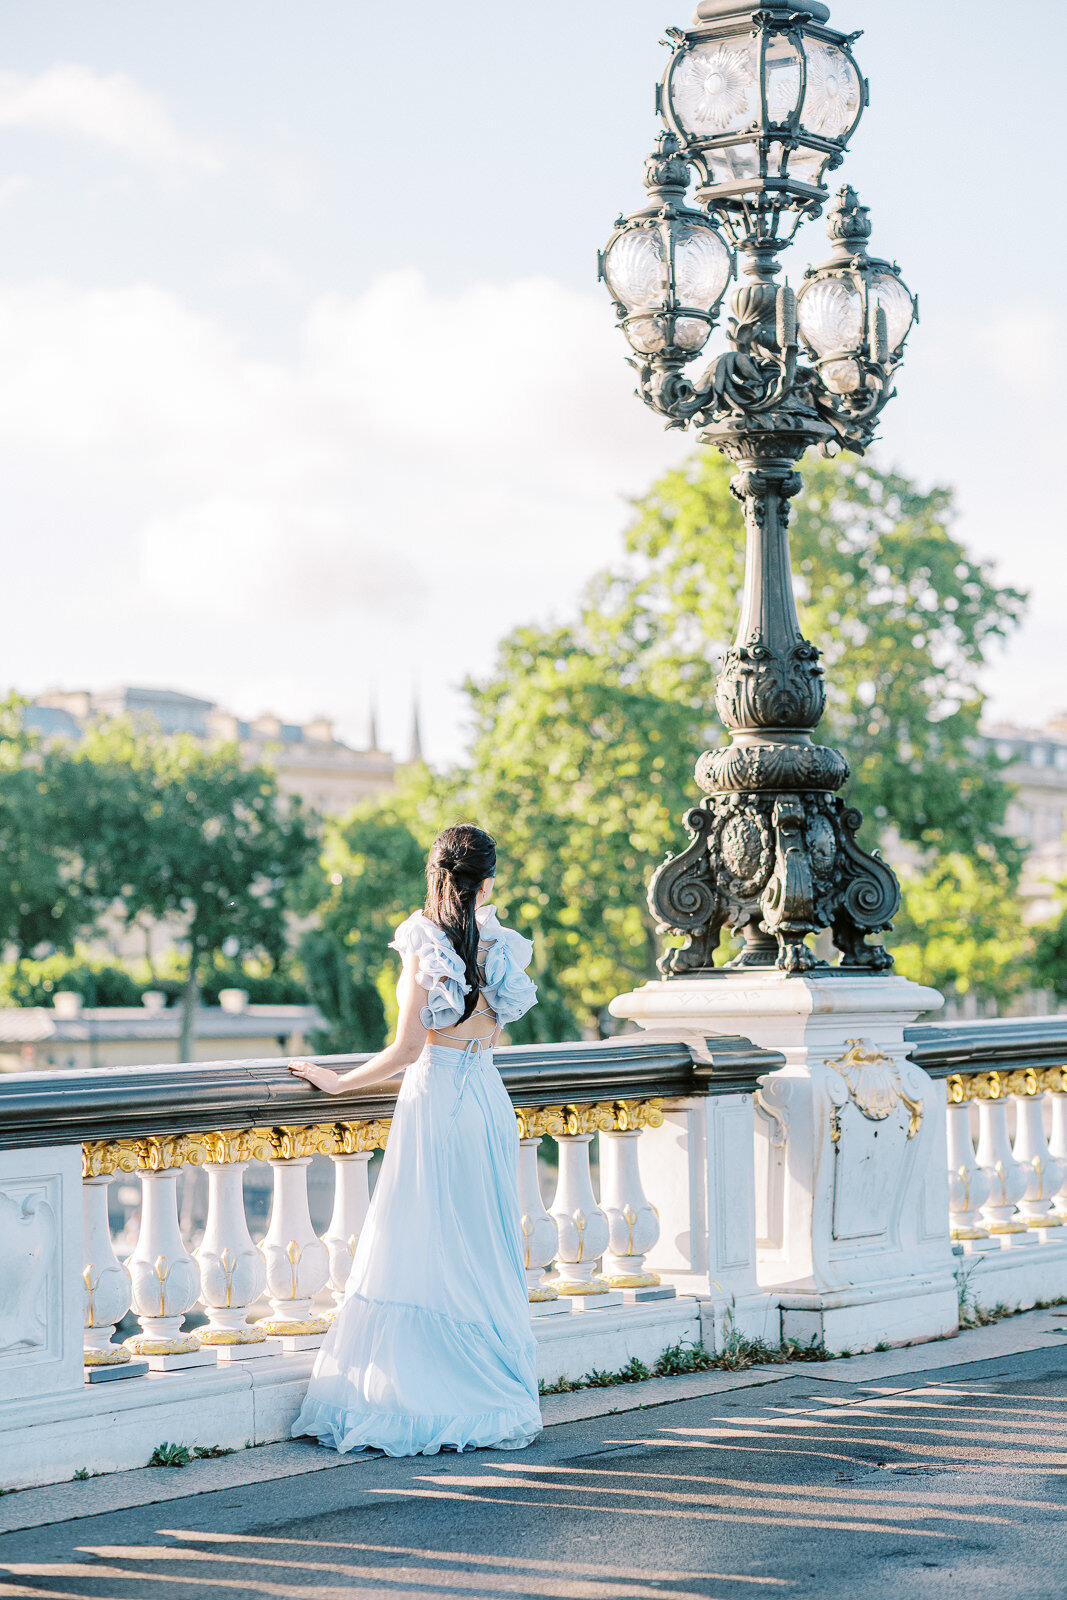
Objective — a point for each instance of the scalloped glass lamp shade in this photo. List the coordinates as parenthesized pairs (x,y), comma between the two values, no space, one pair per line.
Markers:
(635,269)
(830,316)
(834,317)
(660,272)
(886,290)
(833,94)
(763,108)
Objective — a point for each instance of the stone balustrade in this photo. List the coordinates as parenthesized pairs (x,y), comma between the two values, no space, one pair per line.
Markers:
(226,1333)
(694,1181)
(1006,1090)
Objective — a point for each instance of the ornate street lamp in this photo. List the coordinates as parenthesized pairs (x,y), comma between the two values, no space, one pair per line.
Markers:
(759,100)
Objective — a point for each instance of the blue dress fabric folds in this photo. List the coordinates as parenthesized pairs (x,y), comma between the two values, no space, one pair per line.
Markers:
(432,1348)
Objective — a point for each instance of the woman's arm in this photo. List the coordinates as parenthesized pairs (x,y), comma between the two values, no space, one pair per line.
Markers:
(405,1048)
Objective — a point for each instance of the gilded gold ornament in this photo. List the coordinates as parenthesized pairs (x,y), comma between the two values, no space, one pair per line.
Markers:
(251,1334)
(228,1145)
(280,1327)
(143,1345)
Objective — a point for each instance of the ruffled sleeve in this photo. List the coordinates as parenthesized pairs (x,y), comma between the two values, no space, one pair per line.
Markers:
(438,968)
(507,988)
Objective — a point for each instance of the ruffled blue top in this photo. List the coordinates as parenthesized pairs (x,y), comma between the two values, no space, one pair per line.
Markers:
(438,968)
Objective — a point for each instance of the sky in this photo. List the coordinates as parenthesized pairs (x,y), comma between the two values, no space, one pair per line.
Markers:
(308,393)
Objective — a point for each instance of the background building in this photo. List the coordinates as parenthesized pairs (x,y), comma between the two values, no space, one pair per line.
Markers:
(310,761)
(1038,812)
(68,1035)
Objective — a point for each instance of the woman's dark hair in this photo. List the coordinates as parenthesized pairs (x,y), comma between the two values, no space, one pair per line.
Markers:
(461,859)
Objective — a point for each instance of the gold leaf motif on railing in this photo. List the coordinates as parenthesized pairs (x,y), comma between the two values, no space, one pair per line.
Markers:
(603,1116)
(596,1118)
(630,1114)
(994,1085)
(161,1153)
(103,1157)
(537,1121)
(228,1144)
(352,1138)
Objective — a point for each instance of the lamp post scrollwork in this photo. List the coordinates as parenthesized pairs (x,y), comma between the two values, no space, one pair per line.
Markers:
(759,100)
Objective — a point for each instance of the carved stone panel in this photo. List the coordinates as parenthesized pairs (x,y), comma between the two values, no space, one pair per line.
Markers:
(41,1291)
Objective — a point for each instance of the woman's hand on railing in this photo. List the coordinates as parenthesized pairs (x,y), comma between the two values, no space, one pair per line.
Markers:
(319,1077)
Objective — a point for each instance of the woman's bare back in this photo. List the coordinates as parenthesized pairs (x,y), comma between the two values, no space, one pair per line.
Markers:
(481,1024)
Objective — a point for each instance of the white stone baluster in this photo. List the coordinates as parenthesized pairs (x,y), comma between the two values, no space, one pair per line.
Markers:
(1008,1179)
(632,1218)
(107,1288)
(540,1235)
(584,1231)
(298,1263)
(968,1184)
(1055,1080)
(351,1199)
(1044,1174)
(164,1276)
(232,1271)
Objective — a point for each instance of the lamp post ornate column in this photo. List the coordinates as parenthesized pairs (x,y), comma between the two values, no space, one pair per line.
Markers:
(759,101)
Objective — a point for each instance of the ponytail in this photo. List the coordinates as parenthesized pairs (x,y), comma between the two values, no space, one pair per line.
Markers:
(460,861)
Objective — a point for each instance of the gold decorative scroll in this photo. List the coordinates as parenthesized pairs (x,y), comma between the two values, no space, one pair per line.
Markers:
(994,1085)
(601,1116)
(103,1157)
(875,1086)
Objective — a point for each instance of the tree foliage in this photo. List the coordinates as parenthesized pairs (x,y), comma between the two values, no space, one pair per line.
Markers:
(176,831)
(960,928)
(1049,965)
(45,901)
(585,736)
(369,878)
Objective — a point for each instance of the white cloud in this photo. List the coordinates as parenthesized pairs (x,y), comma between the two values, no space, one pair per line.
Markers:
(426,471)
(108,109)
(12,187)
(235,560)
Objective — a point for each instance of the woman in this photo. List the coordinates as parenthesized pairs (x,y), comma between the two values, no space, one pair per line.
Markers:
(432,1348)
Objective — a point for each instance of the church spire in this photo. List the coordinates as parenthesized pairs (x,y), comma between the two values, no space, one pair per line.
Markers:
(416,758)
(372,730)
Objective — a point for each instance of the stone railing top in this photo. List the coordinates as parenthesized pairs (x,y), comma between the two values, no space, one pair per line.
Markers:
(1007,1044)
(51,1108)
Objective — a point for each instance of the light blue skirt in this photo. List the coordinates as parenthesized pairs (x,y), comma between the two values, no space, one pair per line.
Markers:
(433,1349)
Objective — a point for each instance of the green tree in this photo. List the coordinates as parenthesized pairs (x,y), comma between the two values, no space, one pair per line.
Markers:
(179,832)
(960,927)
(369,878)
(1049,965)
(45,901)
(585,736)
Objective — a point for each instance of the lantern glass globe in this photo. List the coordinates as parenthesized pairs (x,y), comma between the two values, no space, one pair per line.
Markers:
(658,271)
(763,108)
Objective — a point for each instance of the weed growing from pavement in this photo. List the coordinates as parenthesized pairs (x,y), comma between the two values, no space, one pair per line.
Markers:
(737,1355)
(179,1455)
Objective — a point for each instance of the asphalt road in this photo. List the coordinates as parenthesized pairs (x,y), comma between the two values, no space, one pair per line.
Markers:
(943,1483)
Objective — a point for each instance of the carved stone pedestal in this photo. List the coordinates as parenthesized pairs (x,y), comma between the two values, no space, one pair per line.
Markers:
(851,1190)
